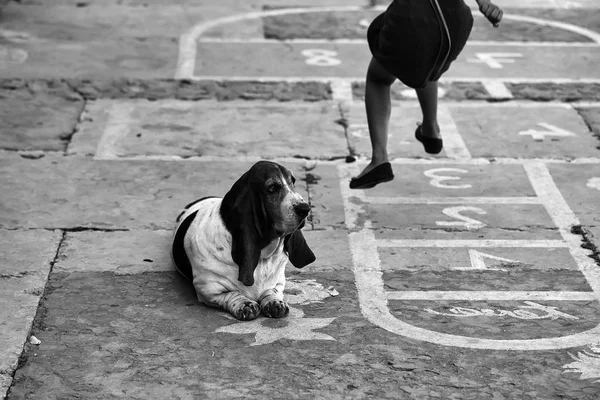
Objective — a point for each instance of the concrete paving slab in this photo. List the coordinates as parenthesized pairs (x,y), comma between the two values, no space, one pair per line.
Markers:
(152,59)
(591,116)
(448,269)
(524,131)
(94,251)
(449,91)
(37,121)
(487,129)
(553,91)
(257,129)
(25,252)
(580,187)
(325,199)
(350,60)
(5,381)
(156,89)
(451,180)
(477,261)
(498,221)
(401,141)
(441,319)
(352,25)
(73,192)
(84,22)
(24,267)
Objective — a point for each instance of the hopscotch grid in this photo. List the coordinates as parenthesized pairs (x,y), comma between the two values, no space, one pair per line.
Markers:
(373,297)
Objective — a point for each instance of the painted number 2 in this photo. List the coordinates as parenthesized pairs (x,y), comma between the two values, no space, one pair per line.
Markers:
(463,221)
(321,57)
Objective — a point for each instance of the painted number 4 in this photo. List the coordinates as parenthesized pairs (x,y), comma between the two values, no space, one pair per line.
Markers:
(321,57)
(549,130)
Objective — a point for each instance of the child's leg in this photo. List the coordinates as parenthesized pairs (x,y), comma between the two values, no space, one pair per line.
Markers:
(428,99)
(379,107)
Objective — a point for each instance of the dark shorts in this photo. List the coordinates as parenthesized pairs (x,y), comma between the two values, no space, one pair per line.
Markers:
(407,39)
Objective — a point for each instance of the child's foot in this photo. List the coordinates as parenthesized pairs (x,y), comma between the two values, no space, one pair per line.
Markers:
(431,139)
(372,175)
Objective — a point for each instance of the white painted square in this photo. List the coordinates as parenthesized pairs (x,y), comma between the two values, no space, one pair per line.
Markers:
(172,128)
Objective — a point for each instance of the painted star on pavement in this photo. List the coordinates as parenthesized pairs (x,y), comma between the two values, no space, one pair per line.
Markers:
(293,327)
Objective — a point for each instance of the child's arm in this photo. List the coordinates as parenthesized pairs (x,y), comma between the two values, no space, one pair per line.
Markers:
(491,11)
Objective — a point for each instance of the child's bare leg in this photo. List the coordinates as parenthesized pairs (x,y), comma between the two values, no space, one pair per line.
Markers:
(379,107)
(428,99)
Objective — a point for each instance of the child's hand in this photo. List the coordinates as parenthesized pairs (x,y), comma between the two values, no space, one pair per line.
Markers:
(491,11)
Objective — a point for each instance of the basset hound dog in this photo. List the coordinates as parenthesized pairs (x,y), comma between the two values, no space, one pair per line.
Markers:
(234,249)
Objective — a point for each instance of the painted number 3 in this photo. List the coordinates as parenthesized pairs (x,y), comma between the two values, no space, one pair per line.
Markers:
(440,175)
(321,57)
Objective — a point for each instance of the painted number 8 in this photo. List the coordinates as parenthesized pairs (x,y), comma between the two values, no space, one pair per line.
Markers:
(321,58)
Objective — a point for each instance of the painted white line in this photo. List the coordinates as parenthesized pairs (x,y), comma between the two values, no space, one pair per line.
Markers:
(510,104)
(586,104)
(454,145)
(341,90)
(497,90)
(549,4)
(594,36)
(564,218)
(418,243)
(499,161)
(444,79)
(452,200)
(364,41)
(210,159)
(119,119)
(434,295)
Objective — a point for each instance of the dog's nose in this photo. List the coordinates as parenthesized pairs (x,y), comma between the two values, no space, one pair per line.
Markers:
(302,209)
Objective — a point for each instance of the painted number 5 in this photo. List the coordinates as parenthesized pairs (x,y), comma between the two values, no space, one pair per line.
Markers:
(321,57)
(439,175)
(464,221)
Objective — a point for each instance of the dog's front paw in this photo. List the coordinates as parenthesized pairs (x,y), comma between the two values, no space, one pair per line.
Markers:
(247,311)
(275,309)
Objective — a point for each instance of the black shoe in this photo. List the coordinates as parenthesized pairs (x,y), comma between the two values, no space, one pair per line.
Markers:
(379,174)
(431,145)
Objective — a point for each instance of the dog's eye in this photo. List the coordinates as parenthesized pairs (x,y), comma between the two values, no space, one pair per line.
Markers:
(273,187)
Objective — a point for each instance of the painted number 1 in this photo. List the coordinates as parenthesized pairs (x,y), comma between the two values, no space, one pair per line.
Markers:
(321,57)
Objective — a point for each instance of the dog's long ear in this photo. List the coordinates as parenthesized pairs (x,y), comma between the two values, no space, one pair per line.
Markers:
(244,215)
(299,253)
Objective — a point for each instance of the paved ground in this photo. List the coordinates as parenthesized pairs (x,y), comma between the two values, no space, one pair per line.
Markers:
(473,275)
